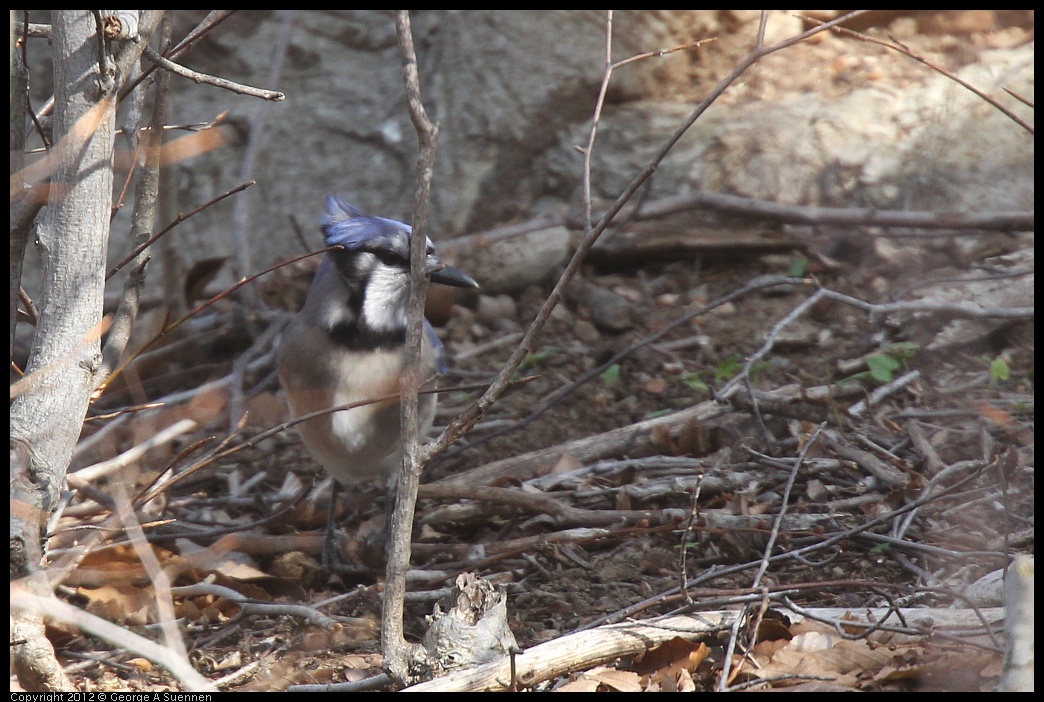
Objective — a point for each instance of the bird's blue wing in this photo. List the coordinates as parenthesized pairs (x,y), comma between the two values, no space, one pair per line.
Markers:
(436,344)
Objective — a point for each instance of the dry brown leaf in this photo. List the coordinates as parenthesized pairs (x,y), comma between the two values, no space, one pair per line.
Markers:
(568,462)
(764,650)
(656,386)
(199,276)
(676,653)
(949,671)
(619,680)
(995,414)
(362,661)
(670,666)
(581,684)
(219,558)
(345,635)
(685,683)
(773,630)
(122,603)
(142,664)
(826,655)
(280,671)
(118,565)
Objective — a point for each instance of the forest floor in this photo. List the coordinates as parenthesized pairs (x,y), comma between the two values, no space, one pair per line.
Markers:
(904,504)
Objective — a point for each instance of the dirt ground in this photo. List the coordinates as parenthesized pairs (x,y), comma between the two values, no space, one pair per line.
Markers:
(960,436)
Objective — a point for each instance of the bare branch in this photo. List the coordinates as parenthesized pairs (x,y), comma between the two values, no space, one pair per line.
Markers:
(198,77)
(600,101)
(459,426)
(213,19)
(242,264)
(396,650)
(93,473)
(124,638)
(896,46)
(836,216)
(73,235)
(177,220)
(142,223)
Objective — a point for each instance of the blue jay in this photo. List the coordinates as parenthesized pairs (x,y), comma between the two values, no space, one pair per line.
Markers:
(346,345)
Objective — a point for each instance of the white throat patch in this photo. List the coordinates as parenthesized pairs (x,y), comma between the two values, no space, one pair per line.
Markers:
(386,298)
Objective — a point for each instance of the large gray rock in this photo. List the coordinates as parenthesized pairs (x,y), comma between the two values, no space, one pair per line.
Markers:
(514,93)
(502,85)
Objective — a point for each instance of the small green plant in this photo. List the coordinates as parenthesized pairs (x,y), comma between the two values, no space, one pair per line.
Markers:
(882,367)
(999,369)
(725,370)
(691,545)
(728,368)
(533,361)
(693,380)
(610,376)
(798,267)
(537,359)
(883,364)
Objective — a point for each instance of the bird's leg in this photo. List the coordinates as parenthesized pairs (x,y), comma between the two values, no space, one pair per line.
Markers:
(330,558)
(376,545)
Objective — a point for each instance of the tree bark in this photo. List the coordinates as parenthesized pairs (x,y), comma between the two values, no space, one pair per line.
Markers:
(72,239)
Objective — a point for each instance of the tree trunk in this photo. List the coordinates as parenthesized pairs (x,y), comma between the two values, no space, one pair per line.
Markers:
(72,238)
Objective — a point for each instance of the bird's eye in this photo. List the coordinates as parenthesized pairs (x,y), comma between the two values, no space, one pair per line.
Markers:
(388,258)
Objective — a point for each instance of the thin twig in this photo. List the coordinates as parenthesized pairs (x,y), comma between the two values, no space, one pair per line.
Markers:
(213,19)
(177,220)
(32,314)
(599,101)
(157,575)
(963,309)
(860,408)
(24,68)
(370,684)
(896,46)
(198,77)
(835,216)
(97,471)
(766,556)
(242,245)
(310,615)
(770,341)
(1018,96)
(142,222)
(394,646)
(463,423)
(694,511)
(59,611)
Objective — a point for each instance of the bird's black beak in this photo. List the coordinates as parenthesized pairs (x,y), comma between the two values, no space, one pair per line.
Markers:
(448,275)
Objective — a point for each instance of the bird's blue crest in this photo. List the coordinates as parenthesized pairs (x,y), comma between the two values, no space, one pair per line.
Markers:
(345,225)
